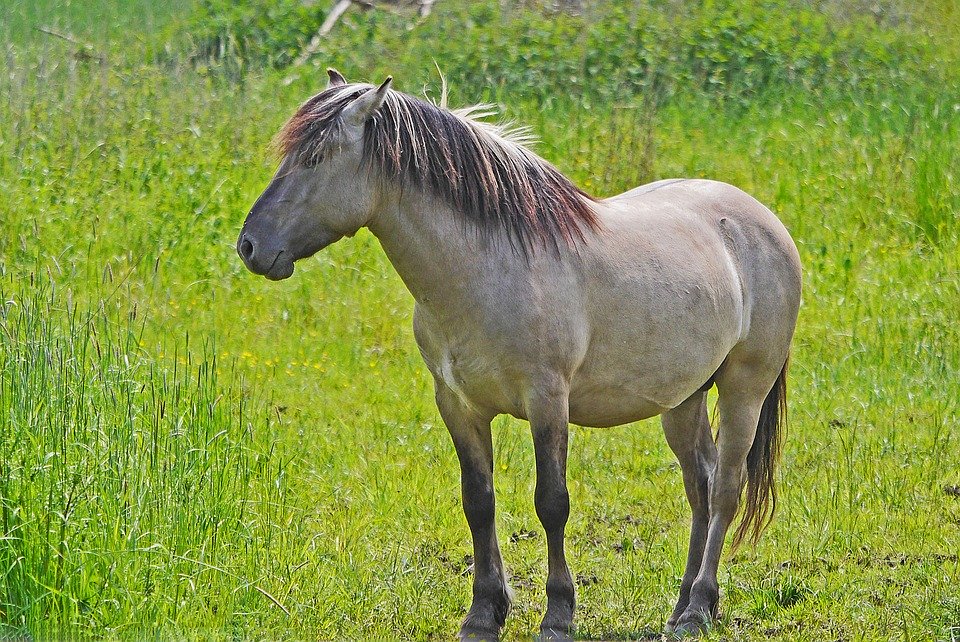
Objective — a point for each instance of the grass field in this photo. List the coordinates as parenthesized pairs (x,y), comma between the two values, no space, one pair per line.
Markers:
(189,451)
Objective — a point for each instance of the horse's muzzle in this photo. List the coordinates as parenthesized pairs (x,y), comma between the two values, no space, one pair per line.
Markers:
(273,263)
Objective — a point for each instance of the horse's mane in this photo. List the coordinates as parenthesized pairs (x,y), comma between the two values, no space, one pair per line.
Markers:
(482,169)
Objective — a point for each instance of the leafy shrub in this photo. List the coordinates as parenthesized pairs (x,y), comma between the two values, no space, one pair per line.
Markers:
(261,31)
(722,48)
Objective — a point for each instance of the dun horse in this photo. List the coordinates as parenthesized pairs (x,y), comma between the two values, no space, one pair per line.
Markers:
(537,300)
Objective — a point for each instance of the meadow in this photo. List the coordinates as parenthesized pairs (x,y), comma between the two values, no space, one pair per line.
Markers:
(189,451)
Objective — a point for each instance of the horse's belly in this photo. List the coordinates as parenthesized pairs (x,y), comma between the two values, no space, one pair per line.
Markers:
(633,373)
(612,408)
(601,402)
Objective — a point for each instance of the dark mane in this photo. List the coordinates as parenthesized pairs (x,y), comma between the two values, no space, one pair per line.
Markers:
(481,169)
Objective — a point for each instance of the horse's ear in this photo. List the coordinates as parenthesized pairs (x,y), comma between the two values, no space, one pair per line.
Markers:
(357,112)
(336,79)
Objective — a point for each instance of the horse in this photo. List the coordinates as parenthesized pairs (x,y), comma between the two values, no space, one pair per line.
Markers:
(538,300)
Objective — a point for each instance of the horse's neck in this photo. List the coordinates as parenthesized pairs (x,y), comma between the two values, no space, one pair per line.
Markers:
(435,251)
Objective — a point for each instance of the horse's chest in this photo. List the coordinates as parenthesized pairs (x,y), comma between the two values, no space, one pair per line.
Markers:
(473,378)
(465,362)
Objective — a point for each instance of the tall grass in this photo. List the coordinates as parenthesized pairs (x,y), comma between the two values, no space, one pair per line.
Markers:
(124,483)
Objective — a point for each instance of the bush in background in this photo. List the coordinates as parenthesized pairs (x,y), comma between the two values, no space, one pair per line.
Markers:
(612,49)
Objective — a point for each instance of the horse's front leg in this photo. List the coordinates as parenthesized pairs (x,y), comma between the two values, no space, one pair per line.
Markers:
(470,431)
(548,416)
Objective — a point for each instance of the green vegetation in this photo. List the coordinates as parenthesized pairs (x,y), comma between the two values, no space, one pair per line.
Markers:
(725,48)
(187,450)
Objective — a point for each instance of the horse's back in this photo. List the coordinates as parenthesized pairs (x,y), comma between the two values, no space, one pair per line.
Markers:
(756,240)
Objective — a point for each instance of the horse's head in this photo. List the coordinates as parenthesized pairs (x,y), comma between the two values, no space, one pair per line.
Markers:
(321,191)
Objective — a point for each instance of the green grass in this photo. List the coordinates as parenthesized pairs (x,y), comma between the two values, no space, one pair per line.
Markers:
(189,451)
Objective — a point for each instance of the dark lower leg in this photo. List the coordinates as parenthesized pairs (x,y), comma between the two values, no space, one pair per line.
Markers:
(491,597)
(472,439)
(698,540)
(704,593)
(553,508)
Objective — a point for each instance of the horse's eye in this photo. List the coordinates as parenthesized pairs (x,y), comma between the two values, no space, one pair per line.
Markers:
(312,160)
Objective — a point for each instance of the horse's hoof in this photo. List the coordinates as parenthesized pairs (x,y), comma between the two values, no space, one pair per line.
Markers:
(671,626)
(691,624)
(476,635)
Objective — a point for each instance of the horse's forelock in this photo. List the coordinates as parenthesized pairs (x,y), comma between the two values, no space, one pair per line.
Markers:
(315,119)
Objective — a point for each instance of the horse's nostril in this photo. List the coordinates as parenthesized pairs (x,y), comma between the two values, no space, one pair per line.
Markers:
(246,249)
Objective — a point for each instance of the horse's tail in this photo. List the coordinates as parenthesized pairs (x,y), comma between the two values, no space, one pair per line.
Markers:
(761,496)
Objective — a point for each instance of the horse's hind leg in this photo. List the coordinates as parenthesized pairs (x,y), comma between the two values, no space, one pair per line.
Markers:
(743,386)
(471,437)
(687,429)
